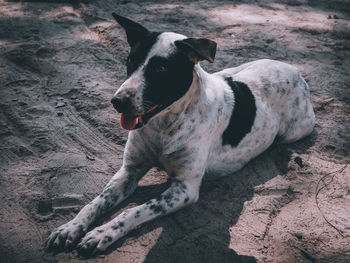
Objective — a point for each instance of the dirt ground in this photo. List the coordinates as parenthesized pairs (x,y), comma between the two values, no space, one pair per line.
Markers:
(61,141)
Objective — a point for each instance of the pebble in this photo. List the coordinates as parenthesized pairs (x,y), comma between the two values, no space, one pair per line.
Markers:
(22,103)
(95,93)
(90,94)
(59,113)
(60,104)
(90,157)
(73,127)
(73,97)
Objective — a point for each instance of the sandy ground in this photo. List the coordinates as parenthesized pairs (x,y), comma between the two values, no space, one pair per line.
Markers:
(61,141)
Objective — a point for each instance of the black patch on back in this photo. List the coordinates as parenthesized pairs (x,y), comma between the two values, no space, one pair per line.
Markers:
(139,52)
(243,114)
(167,79)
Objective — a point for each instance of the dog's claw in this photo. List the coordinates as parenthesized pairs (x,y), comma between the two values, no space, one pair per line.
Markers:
(65,236)
(52,240)
(87,249)
(47,242)
(68,243)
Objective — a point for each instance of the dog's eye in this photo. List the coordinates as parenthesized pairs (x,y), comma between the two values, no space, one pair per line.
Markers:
(161,69)
(157,66)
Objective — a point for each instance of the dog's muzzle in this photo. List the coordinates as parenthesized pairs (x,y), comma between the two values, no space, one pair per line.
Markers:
(128,120)
(122,104)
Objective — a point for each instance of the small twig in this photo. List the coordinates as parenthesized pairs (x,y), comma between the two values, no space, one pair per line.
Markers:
(318,190)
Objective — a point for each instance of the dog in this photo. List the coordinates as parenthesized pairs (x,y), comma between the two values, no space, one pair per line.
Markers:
(190,123)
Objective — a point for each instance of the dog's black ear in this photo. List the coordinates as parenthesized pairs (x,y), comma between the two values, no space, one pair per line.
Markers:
(134,31)
(198,49)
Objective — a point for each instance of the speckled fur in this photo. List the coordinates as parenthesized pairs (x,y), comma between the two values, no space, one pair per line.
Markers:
(186,140)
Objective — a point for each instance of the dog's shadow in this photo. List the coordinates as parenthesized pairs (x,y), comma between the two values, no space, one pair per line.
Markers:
(201,231)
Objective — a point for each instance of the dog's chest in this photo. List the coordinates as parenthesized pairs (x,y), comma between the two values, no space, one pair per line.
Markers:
(181,137)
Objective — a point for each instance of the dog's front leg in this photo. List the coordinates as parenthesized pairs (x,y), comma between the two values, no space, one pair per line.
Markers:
(180,194)
(122,184)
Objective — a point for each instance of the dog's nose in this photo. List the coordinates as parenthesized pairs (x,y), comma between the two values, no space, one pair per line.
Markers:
(121,104)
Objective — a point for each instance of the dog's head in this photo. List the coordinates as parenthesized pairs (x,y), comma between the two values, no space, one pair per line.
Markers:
(160,71)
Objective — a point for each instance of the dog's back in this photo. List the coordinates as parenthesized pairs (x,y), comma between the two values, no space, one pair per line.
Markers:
(283,112)
(281,88)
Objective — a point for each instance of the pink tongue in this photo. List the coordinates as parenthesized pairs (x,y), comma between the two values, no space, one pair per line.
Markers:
(128,122)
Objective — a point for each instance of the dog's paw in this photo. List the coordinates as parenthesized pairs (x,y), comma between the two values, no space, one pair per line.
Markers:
(66,235)
(98,240)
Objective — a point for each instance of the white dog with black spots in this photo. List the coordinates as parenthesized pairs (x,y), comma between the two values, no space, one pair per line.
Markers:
(190,123)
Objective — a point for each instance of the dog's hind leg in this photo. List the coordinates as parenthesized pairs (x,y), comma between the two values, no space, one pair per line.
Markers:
(300,118)
(122,184)
(180,194)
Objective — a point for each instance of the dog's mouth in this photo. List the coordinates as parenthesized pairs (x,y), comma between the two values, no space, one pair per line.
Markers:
(132,122)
